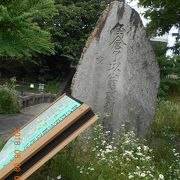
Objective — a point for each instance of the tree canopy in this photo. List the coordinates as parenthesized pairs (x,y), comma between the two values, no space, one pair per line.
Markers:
(73,24)
(20,34)
(164,14)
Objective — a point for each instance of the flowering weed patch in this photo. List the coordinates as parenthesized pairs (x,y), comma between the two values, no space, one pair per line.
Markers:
(107,156)
(165,139)
(126,159)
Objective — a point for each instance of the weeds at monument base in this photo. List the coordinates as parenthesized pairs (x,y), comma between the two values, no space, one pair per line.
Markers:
(127,157)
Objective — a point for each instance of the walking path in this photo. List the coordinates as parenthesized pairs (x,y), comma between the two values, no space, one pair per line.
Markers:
(9,122)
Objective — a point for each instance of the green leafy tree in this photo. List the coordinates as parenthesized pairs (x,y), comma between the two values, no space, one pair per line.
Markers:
(20,34)
(8,100)
(164,14)
(168,66)
(72,26)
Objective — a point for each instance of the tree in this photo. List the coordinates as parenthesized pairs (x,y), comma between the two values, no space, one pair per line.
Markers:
(73,24)
(169,69)
(168,65)
(20,34)
(164,14)
(70,28)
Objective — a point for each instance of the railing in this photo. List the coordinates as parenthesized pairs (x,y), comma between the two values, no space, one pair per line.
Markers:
(30,99)
(33,99)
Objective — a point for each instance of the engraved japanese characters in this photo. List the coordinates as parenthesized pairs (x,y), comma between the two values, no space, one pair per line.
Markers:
(118,74)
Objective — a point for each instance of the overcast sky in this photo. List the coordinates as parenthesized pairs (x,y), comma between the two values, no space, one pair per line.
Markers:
(140,10)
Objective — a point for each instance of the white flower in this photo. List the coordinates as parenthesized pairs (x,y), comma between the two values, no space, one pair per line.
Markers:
(59,177)
(81,172)
(143,175)
(91,169)
(109,147)
(161,176)
(148,158)
(176,154)
(102,154)
(131,176)
(139,148)
(146,148)
(108,151)
(107,132)
(139,154)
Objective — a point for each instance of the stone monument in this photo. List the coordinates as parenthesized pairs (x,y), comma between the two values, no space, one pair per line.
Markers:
(118,74)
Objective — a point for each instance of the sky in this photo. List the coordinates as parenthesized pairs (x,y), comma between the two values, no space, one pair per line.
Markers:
(167,37)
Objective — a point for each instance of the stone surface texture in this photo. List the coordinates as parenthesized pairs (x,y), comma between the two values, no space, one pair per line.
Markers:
(118,74)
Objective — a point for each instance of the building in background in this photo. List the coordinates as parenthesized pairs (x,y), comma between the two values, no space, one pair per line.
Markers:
(167,38)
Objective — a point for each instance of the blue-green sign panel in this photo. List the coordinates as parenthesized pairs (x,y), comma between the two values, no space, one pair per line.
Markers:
(37,128)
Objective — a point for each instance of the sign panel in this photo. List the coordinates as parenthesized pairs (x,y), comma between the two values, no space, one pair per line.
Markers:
(37,128)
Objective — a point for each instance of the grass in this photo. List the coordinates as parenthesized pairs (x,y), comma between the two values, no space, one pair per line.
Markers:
(167,119)
(53,87)
(165,136)
(1,143)
(99,157)
(175,98)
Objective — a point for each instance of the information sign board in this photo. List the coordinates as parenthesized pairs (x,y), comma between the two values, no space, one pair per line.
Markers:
(43,137)
(37,128)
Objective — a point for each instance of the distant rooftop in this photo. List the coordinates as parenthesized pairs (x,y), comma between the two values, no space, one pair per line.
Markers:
(160,39)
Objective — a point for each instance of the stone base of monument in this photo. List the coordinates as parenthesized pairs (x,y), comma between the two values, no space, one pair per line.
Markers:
(43,137)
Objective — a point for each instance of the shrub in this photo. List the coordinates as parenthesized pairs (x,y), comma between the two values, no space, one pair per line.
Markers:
(8,101)
(165,138)
(169,87)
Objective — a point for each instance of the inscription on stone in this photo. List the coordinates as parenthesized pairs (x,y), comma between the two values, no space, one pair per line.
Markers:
(100,60)
(114,67)
(122,70)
